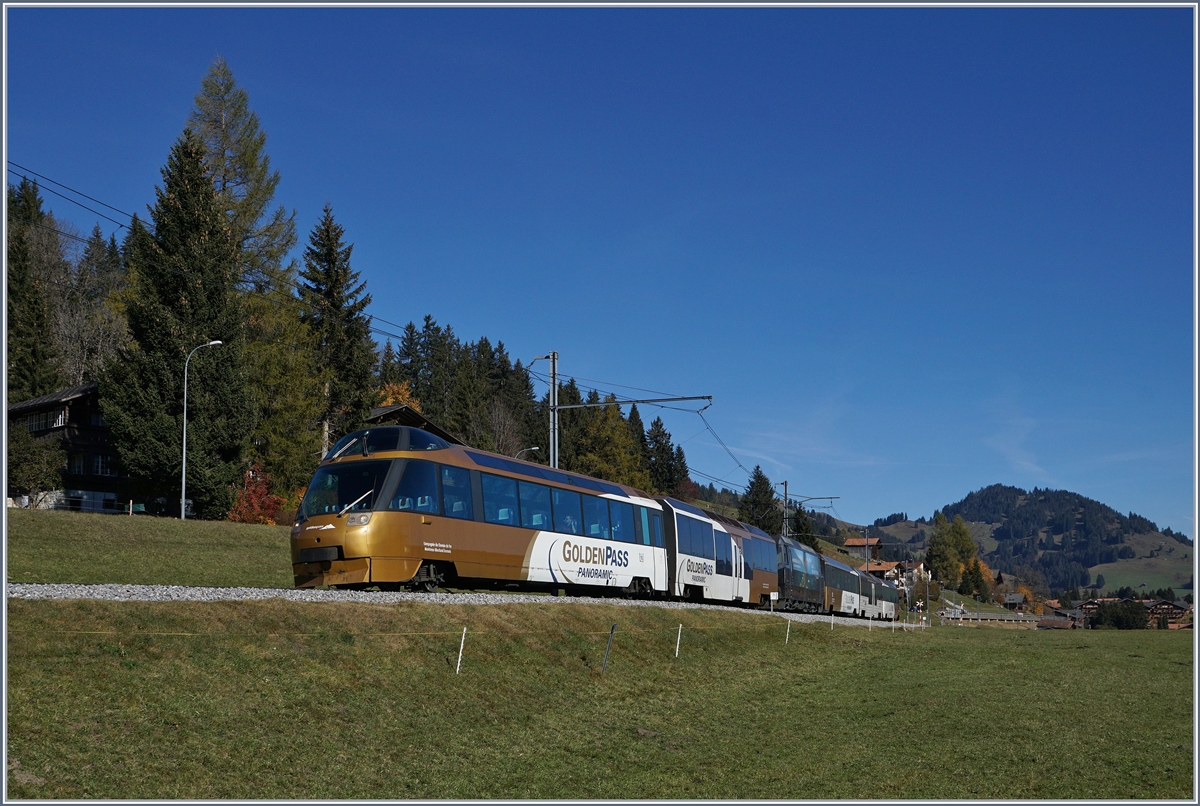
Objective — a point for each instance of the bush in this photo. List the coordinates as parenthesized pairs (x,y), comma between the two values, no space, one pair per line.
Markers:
(255,503)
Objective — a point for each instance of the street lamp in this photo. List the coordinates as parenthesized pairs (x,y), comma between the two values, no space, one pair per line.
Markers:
(524,450)
(183,474)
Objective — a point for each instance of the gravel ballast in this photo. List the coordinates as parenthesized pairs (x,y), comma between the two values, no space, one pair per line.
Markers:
(178,593)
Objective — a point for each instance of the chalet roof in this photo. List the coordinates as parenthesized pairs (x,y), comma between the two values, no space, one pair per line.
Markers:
(1014,598)
(402,414)
(873,565)
(53,399)
(858,541)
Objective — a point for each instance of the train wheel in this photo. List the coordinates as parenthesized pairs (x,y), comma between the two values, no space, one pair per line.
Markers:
(428,578)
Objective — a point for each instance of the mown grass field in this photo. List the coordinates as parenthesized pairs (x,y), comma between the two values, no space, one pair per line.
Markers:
(48,546)
(290,700)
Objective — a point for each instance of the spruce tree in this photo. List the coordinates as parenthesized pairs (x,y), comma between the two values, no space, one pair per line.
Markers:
(334,310)
(182,293)
(32,360)
(758,505)
(638,431)
(284,386)
(661,454)
(800,527)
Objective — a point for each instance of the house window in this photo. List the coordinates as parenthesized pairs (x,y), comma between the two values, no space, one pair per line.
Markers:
(102,465)
(97,418)
(41,420)
(75,464)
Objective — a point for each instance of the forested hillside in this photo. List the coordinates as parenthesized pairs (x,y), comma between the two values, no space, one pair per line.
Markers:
(1053,534)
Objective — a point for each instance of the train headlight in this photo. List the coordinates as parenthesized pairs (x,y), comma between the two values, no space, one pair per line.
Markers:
(359,519)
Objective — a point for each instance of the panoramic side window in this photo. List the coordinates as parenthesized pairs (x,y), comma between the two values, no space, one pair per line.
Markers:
(621,515)
(595,517)
(417,490)
(499,499)
(656,529)
(535,505)
(683,534)
(456,492)
(814,567)
(702,540)
(568,515)
(724,554)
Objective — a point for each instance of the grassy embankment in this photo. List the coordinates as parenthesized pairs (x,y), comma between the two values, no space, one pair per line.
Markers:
(290,700)
(46,546)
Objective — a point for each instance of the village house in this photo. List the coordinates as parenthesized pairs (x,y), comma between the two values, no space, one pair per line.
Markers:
(92,479)
(858,547)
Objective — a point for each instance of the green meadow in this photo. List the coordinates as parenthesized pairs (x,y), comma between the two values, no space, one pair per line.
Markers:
(276,699)
(281,699)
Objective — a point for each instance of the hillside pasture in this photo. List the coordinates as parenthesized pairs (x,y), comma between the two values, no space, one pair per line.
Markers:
(282,700)
(85,548)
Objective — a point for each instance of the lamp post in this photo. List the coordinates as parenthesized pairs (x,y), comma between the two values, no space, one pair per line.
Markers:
(183,473)
(517,455)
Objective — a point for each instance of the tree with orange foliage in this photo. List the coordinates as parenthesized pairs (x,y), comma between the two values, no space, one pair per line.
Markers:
(255,503)
(1032,604)
(399,393)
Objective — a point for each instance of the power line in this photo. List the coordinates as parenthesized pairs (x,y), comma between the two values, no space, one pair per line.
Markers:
(73,190)
(81,204)
(289,283)
(184,273)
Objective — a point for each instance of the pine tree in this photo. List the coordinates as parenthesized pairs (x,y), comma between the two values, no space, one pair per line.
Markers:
(638,431)
(389,367)
(285,386)
(758,505)
(605,448)
(941,556)
(664,475)
(334,311)
(90,320)
(32,360)
(182,293)
(800,527)
(684,489)
(284,379)
(570,422)
(240,169)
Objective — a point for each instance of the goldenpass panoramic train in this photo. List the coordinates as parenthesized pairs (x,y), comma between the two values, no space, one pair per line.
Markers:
(399,507)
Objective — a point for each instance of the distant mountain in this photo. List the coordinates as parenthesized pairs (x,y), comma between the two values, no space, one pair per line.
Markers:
(1056,533)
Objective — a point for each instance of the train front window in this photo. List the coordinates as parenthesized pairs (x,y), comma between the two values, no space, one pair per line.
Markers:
(346,446)
(355,485)
(419,440)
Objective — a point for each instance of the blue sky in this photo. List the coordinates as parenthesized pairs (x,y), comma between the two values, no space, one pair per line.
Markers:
(909,252)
